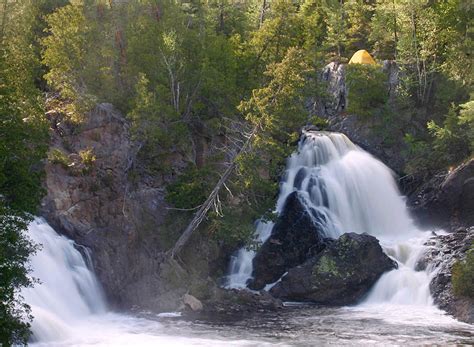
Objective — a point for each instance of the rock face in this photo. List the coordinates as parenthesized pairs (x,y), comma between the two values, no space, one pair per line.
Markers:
(443,251)
(192,303)
(446,200)
(339,275)
(122,222)
(294,238)
(231,302)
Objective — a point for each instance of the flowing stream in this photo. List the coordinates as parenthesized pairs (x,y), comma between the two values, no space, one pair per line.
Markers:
(352,191)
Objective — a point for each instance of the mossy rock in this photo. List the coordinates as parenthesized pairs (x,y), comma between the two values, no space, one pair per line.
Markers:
(340,275)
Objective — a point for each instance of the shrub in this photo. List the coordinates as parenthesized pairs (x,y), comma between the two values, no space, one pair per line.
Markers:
(367,89)
(88,157)
(463,275)
(15,250)
(56,156)
(453,140)
(191,188)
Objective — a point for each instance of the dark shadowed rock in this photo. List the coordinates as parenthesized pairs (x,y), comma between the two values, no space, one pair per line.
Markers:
(295,237)
(446,200)
(340,275)
(442,253)
(231,302)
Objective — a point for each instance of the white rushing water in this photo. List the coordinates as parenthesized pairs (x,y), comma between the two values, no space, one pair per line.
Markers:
(68,291)
(69,308)
(352,192)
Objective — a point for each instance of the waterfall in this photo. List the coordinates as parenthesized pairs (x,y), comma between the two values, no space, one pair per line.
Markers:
(352,192)
(68,291)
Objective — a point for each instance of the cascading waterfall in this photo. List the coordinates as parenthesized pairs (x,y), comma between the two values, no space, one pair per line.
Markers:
(351,191)
(69,307)
(68,290)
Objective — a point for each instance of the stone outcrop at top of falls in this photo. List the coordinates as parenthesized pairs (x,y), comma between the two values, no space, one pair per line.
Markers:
(339,275)
(294,238)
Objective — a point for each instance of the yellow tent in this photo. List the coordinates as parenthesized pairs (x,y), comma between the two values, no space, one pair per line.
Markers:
(362,57)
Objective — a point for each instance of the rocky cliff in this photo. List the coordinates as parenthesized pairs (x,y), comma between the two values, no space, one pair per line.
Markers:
(98,201)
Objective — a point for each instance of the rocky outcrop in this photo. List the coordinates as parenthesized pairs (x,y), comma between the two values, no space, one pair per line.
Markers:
(333,108)
(234,302)
(339,275)
(442,253)
(120,214)
(294,238)
(190,302)
(447,199)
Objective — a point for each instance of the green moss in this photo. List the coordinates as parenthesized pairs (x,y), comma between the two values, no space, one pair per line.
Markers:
(328,266)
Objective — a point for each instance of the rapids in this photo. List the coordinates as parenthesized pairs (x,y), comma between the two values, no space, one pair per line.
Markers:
(352,192)
(352,189)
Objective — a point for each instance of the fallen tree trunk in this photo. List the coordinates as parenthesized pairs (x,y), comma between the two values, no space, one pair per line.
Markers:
(201,213)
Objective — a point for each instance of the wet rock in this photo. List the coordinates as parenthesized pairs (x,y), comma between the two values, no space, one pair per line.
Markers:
(294,238)
(191,302)
(234,301)
(339,275)
(447,199)
(443,251)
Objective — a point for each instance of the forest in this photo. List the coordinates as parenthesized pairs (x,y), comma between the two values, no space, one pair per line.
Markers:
(234,75)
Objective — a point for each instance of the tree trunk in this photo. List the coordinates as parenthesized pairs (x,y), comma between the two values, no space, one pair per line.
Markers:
(201,213)
(262,13)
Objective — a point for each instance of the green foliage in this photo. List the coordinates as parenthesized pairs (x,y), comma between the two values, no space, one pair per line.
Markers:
(367,89)
(23,145)
(191,188)
(277,109)
(65,55)
(453,141)
(463,276)
(15,249)
(183,71)
(87,157)
(234,226)
(23,136)
(56,156)
(420,155)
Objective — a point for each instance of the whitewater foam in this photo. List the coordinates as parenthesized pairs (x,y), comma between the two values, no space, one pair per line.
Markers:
(351,191)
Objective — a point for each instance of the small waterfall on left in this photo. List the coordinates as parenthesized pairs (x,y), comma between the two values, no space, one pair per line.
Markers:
(68,290)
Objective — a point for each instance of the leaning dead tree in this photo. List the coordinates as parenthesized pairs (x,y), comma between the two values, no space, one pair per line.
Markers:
(211,199)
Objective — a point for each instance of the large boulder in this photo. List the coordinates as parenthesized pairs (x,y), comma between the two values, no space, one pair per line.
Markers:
(339,275)
(446,200)
(295,238)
